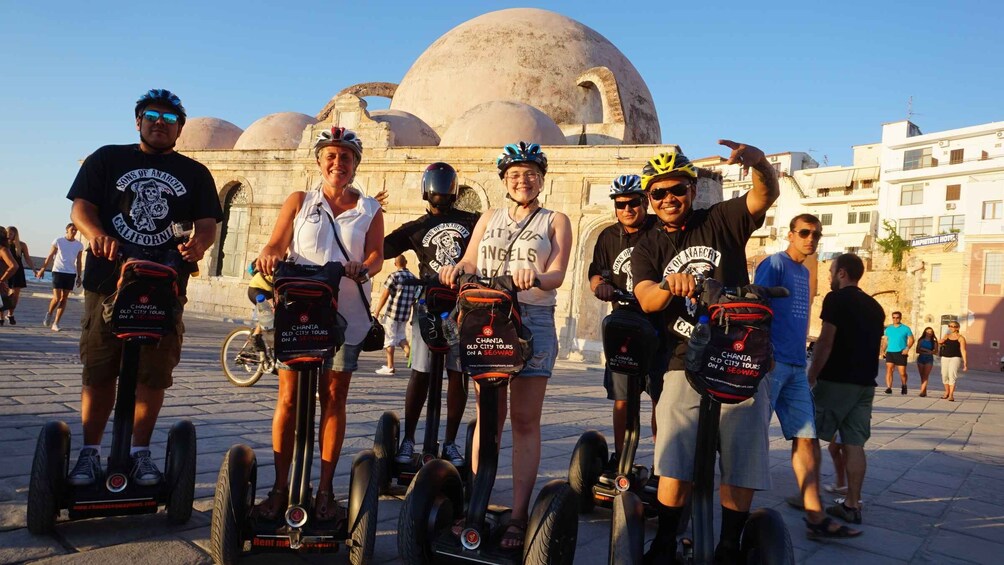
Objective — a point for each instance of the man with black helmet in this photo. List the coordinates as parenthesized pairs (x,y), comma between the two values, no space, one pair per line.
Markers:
(439,238)
(132,194)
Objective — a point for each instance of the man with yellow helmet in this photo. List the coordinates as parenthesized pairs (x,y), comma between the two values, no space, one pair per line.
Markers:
(712,243)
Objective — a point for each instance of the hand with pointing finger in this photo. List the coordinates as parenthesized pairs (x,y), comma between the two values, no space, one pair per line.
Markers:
(742,154)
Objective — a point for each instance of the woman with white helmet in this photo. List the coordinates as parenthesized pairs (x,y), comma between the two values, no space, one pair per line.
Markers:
(334,222)
(528,242)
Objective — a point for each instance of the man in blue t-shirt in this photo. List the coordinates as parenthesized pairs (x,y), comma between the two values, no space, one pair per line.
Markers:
(896,343)
(790,397)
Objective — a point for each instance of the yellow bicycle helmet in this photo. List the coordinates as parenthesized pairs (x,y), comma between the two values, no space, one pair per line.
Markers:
(666,165)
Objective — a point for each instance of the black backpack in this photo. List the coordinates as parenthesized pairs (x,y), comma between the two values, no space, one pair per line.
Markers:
(630,341)
(493,341)
(145,304)
(308,327)
(438,300)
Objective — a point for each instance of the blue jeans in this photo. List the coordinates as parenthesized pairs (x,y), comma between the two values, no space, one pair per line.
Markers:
(791,400)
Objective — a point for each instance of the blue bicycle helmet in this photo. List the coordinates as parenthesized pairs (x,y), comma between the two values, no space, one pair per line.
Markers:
(163,96)
(521,152)
(626,185)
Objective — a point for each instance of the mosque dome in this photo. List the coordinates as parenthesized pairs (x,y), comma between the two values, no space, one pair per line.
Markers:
(409,130)
(496,123)
(207,133)
(275,131)
(524,55)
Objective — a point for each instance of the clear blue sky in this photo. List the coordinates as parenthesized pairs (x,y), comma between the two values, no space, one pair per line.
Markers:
(786,76)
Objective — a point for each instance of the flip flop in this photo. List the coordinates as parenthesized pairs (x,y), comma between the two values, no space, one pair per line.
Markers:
(514,534)
(273,503)
(822,530)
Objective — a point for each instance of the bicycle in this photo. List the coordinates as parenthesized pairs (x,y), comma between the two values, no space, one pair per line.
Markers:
(242,361)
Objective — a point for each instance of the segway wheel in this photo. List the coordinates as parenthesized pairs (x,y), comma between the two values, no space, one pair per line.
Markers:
(364,496)
(766,540)
(627,530)
(385,447)
(180,466)
(434,500)
(48,477)
(586,466)
(232,504)
(553,528)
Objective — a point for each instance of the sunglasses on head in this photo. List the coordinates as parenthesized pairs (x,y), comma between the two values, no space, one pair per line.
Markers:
(678,190)
(804,233)
(633,203)
(153,116)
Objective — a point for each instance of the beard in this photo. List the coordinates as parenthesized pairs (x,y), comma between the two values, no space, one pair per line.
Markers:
(834,285)
(156,148)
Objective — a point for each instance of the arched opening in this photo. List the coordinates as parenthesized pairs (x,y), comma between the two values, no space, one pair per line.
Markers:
(590,107)
(233,238)
(587,312)
(469,201)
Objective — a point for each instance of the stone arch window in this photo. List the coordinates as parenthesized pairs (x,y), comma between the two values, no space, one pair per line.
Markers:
(233,238)
(469,201)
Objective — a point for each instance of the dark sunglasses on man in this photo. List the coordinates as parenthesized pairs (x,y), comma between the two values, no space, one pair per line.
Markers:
(633,203)
(804,233)
(153,116)
(678,191)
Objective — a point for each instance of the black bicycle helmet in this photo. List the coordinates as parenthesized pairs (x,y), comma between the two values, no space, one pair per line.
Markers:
(440,178)
(162,96)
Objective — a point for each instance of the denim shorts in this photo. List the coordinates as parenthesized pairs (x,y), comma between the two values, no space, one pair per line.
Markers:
(346,360)
(540,321)
(791,400)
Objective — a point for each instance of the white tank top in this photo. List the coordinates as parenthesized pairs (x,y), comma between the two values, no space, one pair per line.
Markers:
(314,244)
(529,251)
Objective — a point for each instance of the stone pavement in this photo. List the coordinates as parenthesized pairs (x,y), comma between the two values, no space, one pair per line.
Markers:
(934,491)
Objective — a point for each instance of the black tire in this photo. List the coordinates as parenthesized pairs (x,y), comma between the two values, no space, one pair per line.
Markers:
(180,467)
(240,361)
(766,540)
(553,528)
(434,500)
(235,488)
(627,530)
(48,477)
(364,498)
(385,447)
(586,466)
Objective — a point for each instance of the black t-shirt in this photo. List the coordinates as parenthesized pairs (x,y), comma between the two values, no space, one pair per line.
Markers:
(713,243)
(613,253)
(859,320)
(438,240)
(138,196)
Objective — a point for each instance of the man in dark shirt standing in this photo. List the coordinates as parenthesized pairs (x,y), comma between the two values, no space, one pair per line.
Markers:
(439,238)
(611,271)
(843,373)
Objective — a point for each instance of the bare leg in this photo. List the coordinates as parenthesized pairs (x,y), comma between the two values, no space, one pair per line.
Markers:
(888,375)
(456,403)
(53,302)
(414,399)
(96,403)
(60,305)
(839,465)
(334,394)
(805,455)
(148,404)
(390,356)
(620,424)
(283,428)
(950,391)
(925,374)
(902,374)
(856,465)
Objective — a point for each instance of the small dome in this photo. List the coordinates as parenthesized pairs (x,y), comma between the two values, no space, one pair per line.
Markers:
(207,133)
(409,129)
(496,123)
(275,131)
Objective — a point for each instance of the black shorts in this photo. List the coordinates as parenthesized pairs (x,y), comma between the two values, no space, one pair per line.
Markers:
(63,281)
(617,385)
(897,359)
(254,292)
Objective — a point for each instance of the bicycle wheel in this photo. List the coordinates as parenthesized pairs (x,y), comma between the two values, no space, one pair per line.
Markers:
(241,361)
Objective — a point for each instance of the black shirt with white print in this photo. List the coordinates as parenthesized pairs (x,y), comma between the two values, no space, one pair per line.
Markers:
(438,240)
(613,253)
(713,243)
(139,196)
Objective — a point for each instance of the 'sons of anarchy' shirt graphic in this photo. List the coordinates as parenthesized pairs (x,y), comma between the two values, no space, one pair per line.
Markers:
(613,250)
(437,240)
(149,190)
(446,243)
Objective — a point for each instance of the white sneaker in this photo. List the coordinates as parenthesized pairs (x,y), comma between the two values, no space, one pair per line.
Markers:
(385,370)
(55,327)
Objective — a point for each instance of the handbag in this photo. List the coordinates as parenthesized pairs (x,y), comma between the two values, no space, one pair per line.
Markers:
(375,336)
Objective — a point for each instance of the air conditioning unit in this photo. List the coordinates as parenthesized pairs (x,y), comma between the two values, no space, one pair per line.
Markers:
(950,206)
(1000,134)
(943,143)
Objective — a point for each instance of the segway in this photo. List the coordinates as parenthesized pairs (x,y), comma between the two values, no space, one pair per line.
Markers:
(491,352)
(308,331)
(143,312)
(435,300)
(765,539)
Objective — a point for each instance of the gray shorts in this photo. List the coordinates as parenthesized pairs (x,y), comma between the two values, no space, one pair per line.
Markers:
(421,357)
(743,460)
(346,360)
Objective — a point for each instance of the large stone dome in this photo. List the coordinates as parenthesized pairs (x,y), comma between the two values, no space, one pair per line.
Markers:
(409,130)
(207,133)
(275,131)
(524,55)
(496,123)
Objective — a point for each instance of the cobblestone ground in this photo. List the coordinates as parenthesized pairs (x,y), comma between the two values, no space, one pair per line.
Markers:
(934,491)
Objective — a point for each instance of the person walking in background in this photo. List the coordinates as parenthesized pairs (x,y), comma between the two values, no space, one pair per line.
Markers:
(927,348)
(8,267)
(896,343)
(401,298)
(66,273)
(953,355)
(843,374)
(18,280)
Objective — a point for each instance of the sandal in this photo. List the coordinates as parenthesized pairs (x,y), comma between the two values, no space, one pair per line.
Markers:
(512,538)
(823,530)
(326,508)
(272,504)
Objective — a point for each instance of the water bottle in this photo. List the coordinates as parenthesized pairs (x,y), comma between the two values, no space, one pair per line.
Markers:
(266,316)
(699,339)
(450,330)
(421,310)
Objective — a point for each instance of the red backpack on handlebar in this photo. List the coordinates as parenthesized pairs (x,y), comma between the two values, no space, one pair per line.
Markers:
(493,341)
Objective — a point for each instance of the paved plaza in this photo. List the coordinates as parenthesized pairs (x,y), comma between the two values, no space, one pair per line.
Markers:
(934,491)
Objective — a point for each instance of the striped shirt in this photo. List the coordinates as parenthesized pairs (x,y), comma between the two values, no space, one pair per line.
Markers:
(402,296)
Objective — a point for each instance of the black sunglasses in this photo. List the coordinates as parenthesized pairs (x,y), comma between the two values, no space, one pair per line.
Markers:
(633,203)
(804,233)
(678,190)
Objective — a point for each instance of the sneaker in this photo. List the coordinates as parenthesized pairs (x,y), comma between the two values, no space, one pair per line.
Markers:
(832,488)
(385,370)
(902,390)
(842,499)
(55,327)
(888,391)
(11,320)
(144,471)
(452,454)
(849,515)
(613,463)
(47,321)
(405,452)
(87,469)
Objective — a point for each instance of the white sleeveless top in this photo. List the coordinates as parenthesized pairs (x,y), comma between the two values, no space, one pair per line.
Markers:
(314,244)
(530,251)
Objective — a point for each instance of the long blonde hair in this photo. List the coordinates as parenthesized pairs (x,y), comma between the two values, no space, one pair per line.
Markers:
(14,241)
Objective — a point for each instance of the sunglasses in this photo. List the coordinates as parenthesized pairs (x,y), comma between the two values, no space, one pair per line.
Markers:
(153,116)
(954,327)
(804,233)
(633,203)
(678,190)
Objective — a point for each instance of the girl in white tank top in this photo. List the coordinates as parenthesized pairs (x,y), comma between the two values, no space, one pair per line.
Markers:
(530,241)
